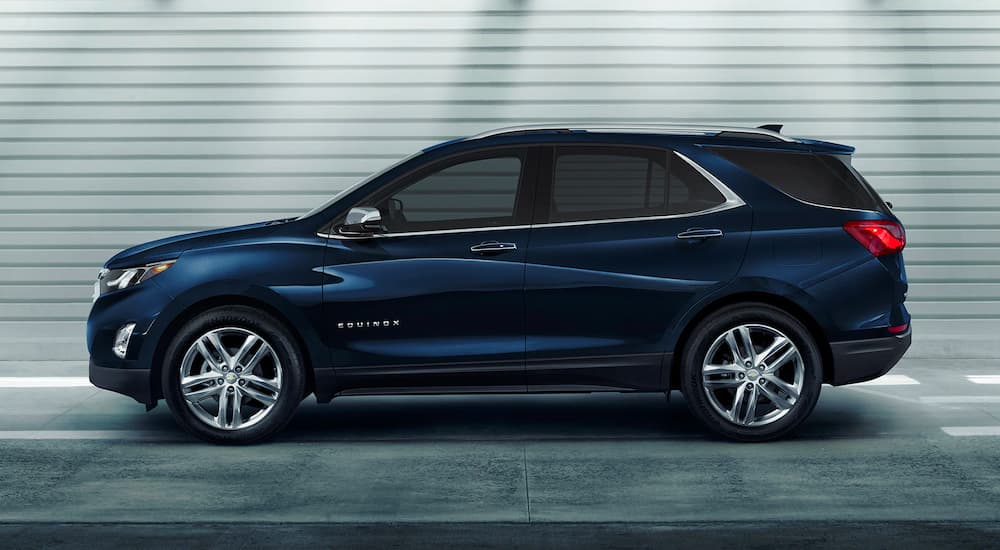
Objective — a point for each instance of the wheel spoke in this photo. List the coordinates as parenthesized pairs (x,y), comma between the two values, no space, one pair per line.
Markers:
(737,403)
(778,343)
(244,349)
(726,368)
(783,386)
(750,396)
(211,348)
(720,383)
(777,364)
(263,383)
(721,376)
(265,399)
(189,382)
(237,413)
(220,418)
(198,395)
(733,347)
(773,396)
(263,351)
(751,354)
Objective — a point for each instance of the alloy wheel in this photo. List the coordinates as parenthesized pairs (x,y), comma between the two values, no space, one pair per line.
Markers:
(753,375)
(230,378)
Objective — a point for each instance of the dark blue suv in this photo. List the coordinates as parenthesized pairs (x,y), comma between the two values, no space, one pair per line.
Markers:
(740,266)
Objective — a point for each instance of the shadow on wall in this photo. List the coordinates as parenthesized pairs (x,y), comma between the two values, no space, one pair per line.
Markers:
(502,85)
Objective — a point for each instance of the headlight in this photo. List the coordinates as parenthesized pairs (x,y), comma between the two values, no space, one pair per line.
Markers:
(117,279)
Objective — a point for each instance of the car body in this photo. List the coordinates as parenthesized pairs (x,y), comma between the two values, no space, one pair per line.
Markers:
(533,259)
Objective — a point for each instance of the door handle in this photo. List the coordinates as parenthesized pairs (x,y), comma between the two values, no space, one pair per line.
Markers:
(699,233)
(492,247)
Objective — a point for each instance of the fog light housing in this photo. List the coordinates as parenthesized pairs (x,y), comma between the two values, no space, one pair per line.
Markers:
(121,340)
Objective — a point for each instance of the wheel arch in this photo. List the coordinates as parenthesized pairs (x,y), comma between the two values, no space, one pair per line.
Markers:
(783,303)
(178,320)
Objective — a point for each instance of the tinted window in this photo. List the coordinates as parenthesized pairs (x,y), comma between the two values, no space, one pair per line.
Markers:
(609,184)
(477,193)
(689,191)
(613,185)
(817,179)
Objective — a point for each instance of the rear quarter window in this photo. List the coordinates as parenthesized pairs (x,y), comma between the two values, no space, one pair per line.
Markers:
(819,179)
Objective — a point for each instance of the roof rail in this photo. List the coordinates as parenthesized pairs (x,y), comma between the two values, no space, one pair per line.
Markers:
(676,129)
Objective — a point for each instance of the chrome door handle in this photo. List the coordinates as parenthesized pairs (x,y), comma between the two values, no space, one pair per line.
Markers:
(492,247)
(699,233)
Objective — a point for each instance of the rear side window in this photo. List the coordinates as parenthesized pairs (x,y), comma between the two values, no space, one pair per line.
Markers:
(612,183)
(816,179)
(689,191)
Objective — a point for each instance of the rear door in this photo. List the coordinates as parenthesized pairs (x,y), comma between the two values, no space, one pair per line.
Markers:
(625,239)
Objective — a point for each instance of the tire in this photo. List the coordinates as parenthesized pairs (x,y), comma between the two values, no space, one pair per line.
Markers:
(712,381)
(261,378)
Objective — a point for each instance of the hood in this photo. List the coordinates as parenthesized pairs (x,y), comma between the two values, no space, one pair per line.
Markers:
(172,247)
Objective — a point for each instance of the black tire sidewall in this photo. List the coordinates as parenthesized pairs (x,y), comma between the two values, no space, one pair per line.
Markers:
(281,341)
(727,318)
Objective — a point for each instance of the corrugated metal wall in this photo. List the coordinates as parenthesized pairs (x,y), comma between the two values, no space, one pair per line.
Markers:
(126,120)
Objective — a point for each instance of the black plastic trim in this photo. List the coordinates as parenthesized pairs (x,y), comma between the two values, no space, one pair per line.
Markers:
(860,360)
(134,383)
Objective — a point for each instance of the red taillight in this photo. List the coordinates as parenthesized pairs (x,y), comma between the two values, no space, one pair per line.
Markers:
(899,328)
(880,237)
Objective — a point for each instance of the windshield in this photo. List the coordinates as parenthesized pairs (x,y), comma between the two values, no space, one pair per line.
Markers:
(352,188)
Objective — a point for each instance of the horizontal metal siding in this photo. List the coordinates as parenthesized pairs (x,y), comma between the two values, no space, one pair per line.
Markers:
(126,121)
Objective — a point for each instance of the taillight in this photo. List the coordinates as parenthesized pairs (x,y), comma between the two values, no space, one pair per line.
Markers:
(899,328)
(880,237)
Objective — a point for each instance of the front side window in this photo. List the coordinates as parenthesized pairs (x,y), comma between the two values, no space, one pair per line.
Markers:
(475,193)
(626,183)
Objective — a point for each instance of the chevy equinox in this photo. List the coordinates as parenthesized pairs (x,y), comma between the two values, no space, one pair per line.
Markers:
(740,266)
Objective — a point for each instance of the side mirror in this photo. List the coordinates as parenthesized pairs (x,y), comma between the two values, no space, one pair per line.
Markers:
(362,221)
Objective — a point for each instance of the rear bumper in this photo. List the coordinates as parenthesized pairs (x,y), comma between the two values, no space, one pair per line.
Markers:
(861,360)
(134,383)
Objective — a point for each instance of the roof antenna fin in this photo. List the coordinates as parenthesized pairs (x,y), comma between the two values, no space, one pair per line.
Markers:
(776,128)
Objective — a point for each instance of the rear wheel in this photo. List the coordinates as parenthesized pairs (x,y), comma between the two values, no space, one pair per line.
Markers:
(751,372)
(233,375)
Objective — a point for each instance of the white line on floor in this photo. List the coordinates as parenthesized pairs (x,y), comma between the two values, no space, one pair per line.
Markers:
(86,434)
(954,399)
(44,382)
(962,431)
(984,378)
(890,380)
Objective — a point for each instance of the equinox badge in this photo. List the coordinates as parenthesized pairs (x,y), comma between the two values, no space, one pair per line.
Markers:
(369,324)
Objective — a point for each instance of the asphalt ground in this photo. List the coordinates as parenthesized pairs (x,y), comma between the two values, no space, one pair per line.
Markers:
(911,460)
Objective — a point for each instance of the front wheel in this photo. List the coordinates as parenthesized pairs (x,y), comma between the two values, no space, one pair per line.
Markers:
(751,372)
(233,375)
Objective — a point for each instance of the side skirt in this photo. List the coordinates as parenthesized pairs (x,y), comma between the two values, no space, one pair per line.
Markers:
(646,372)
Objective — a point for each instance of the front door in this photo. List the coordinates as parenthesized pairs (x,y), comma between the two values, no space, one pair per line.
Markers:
(436,302)
(628,239)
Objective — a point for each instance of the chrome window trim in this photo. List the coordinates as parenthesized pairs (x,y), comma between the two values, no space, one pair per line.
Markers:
(412,233)
(731,197)
(732,201)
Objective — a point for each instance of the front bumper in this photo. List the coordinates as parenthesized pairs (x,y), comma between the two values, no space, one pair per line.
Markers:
(134,383)
(860,360)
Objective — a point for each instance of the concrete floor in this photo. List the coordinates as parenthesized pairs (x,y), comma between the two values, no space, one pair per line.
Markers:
(876,465)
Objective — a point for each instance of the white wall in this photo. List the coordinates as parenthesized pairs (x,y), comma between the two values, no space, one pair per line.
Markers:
(126,120)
